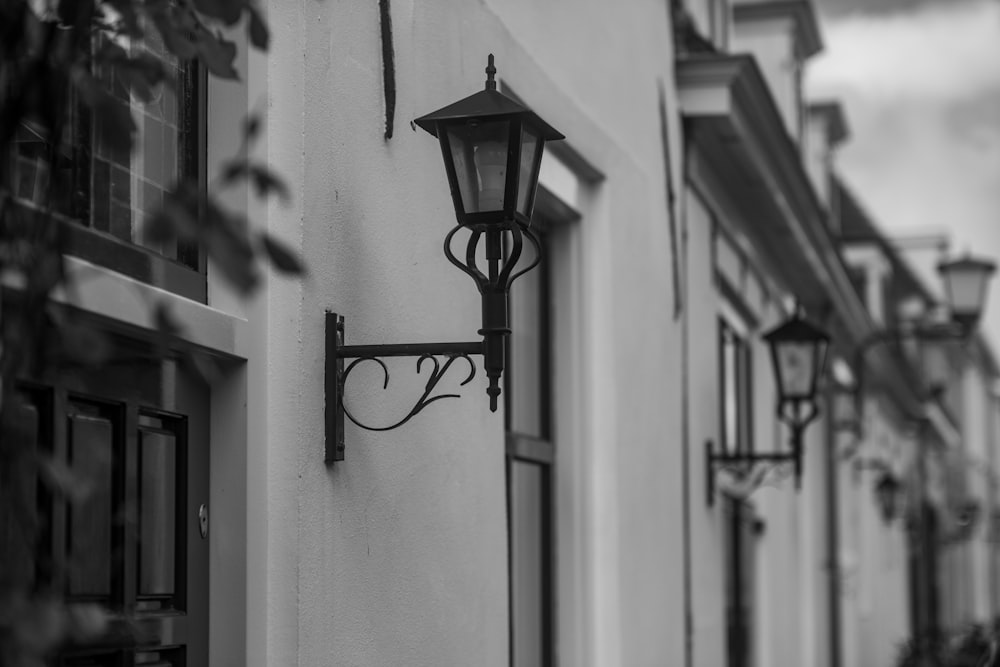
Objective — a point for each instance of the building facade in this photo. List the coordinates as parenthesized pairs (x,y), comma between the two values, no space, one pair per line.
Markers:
(693,206)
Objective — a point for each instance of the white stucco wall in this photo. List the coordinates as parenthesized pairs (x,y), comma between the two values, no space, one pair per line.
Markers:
(398,555)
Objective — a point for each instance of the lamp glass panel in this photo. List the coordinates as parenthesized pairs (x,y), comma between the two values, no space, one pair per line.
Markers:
(479,152)
(531,155)
(795,368)
(966,288)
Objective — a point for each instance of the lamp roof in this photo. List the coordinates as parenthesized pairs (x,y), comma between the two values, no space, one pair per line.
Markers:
(488,104)
(887,482)
(967,262)
(796,329)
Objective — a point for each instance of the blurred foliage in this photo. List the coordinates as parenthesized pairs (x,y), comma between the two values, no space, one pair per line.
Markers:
(48,61)
(973,646)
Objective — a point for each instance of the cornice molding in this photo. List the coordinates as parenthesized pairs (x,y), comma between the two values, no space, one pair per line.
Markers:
(732,119)
(808,40)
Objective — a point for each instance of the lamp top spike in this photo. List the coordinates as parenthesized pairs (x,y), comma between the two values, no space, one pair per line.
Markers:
(491,70)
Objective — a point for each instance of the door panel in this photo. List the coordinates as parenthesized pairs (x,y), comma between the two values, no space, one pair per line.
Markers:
(134,436)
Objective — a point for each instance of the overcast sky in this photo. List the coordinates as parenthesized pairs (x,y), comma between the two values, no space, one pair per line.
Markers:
(920,84)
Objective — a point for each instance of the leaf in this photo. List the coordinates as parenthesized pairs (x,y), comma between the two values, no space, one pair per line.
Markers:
(281,256)
(267,182)
(234,170)
(260,37)
(65,481)
(251,126)
(217,53)
(127,17)
(141,73)
(227,11)
(177,217)
(177,28)
(115,123)
(225,240)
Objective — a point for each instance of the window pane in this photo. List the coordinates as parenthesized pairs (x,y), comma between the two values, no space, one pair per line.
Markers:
(530,154)
(89,537)
(127,188)
(157,513)
(97,182)
(528,575)
(526,368)
(18,497)
(480,156)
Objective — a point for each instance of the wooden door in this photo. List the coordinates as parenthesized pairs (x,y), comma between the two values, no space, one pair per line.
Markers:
(134,436)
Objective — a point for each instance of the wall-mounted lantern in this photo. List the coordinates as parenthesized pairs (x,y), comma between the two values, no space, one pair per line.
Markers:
(492,148)
(844,418)
(965,282)
(887,494)
(887,490)
(798,356)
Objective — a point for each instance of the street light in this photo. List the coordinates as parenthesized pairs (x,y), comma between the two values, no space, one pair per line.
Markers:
(965,283)
(887,491)
(798,357)
(492,148)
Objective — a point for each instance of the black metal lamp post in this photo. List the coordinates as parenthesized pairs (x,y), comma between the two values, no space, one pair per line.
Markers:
(492,148)
(798,356)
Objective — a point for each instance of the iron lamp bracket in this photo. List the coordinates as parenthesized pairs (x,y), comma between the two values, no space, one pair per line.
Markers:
(439,358)
(751,469)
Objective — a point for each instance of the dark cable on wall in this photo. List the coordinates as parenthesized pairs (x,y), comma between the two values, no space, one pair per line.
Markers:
(388,66)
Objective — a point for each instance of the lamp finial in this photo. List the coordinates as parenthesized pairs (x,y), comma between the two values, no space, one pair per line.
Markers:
(490,71)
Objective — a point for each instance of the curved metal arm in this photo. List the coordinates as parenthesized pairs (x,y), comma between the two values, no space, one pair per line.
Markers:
(538,255)
(751,469)
(939,332)
(425,399)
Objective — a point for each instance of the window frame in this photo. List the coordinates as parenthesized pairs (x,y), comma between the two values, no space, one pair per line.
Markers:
(739,338)
(536,450)
(82,240)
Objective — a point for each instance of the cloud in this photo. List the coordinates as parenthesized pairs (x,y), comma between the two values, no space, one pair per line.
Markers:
(934,53)
(921,90)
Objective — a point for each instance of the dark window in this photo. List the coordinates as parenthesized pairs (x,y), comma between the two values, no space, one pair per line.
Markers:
(104,193)
(530,458)
(735,390)
(739,544)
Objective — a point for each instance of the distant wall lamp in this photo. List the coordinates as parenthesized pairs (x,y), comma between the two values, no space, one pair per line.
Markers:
(887,490)
(845,418)
(492,148)
(798,357)
(966,282)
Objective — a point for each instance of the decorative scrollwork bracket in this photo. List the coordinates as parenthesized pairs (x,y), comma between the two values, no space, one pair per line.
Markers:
(336,375)
(748,471)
